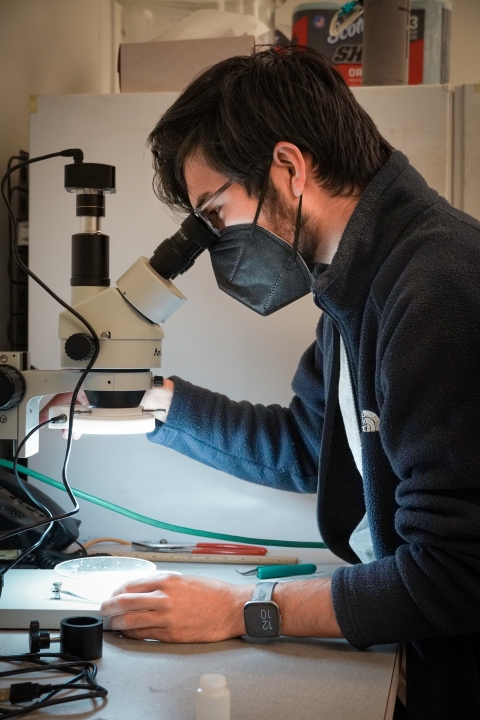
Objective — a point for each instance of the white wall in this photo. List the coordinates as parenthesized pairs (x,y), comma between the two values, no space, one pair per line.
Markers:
(47,47)
(465,45)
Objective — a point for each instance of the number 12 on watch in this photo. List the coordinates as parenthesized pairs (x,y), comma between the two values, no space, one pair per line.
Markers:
(266,619)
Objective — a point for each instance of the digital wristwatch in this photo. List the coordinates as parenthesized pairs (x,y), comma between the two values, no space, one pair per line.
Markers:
(262,615)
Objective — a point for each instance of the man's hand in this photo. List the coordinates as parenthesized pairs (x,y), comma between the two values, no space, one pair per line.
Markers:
(159,398)
(155,399)
(179,609)
(64,399)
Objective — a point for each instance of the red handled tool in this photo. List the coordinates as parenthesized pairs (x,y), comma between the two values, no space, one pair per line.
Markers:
(202,548)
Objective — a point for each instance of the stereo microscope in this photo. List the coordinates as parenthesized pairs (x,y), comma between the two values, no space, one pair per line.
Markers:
(125,318)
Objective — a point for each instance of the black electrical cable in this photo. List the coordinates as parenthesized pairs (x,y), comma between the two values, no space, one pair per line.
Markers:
(32,497)
(84,550)
(83,682)
(78,158)
(48,559)
(17,331)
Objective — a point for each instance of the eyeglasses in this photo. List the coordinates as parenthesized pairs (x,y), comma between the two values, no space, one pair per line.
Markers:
(202,210)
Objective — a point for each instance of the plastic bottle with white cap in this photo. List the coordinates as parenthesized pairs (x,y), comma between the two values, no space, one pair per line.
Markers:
(213,698)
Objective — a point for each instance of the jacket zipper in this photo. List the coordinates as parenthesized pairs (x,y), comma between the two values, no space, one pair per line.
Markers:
(349,364)
(352,389)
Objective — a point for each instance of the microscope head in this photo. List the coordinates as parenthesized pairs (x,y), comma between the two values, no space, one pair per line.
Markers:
(127,318)
(129,335)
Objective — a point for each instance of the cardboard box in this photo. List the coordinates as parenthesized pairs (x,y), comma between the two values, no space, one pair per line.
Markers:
(169,66)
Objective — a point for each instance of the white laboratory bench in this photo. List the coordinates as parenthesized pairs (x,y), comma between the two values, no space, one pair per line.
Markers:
(288,678)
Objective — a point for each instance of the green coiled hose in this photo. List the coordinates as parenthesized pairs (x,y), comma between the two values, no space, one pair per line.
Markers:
(158,523)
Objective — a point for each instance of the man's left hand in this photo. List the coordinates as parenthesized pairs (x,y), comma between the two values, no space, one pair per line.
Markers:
(178,609)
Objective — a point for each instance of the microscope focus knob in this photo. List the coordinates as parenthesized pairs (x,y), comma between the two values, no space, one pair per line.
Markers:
(38,639)
(80,346)
(12,387)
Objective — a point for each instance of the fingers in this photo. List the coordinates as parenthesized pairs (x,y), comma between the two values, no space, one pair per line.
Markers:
(75,435)
(159,397)
(149,633)
(137,602)
(63,399)
(161,634)
(146,585)
(140,595)
(82,398)
(150,626)
(137,621)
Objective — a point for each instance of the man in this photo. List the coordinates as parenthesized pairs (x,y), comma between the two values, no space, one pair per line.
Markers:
(308,196)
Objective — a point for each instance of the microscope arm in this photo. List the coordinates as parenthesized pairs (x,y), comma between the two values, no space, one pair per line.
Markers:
(17,422)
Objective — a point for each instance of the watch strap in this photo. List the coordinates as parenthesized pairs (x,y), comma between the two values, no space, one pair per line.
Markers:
(263,591)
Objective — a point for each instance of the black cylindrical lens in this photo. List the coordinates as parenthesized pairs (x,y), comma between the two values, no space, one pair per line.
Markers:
(115,398)
(90,259)
(90,205)
(82,636)
(178,253)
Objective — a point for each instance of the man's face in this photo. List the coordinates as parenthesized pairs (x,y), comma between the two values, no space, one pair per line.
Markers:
(234,206)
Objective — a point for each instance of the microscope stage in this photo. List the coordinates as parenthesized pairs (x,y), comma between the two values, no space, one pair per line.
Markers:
(27,595)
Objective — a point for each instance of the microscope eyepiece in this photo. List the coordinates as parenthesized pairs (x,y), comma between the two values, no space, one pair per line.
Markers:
(177,254)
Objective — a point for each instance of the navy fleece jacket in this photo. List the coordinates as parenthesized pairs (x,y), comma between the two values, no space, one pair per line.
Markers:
(403,292)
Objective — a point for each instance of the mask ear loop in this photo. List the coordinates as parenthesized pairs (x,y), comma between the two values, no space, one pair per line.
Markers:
(261,199)
(298,226)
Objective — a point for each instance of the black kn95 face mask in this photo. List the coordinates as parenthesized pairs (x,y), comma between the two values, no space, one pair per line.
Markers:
(258,268)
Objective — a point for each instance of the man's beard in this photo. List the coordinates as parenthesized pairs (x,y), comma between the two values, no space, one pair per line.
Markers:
(283,218)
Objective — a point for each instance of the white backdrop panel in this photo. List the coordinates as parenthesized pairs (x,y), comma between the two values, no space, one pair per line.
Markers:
(213,341)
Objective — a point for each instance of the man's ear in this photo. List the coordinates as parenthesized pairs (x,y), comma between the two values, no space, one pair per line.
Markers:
(289,168)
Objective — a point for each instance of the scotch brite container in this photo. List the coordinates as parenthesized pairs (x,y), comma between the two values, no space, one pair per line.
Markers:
(429,42)
(311,25)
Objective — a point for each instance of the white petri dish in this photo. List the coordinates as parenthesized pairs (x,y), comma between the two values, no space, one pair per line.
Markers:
(96,578)
(88,565)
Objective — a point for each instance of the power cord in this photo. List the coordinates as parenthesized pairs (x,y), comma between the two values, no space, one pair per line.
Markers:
(17,329)
(36,501)
(77,155)
(83,683)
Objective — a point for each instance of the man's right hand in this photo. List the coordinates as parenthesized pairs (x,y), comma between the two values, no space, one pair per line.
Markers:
(157,398)
(64,399)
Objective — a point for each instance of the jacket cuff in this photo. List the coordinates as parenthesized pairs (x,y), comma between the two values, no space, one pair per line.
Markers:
(181,415)
(372,605)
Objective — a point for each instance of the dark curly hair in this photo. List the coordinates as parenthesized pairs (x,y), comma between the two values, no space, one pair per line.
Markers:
(235,112)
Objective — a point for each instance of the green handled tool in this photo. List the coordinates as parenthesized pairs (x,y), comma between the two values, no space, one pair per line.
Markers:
(274,571)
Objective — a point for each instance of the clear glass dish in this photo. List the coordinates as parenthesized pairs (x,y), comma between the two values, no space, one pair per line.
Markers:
(95,578)
(88,565)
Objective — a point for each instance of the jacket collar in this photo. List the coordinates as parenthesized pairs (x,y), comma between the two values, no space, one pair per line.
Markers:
(395,196)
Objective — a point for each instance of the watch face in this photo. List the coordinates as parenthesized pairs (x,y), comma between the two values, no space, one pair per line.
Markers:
(262,619)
